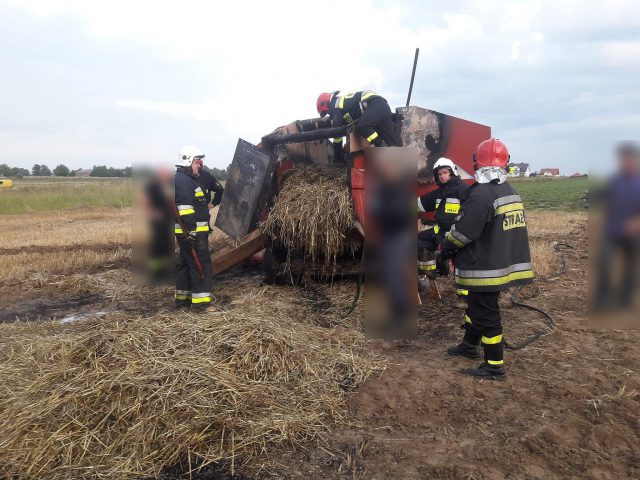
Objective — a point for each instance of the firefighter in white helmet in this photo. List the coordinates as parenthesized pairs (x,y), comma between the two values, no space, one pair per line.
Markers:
(193,266)
(445,202)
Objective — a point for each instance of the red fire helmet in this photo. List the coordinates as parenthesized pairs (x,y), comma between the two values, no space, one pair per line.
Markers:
(491,153)
(323,103)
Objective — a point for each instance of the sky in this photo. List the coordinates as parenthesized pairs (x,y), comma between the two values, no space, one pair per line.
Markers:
(89,83)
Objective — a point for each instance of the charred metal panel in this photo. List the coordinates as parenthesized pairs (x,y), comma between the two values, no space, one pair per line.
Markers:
(438,135)
(245,190)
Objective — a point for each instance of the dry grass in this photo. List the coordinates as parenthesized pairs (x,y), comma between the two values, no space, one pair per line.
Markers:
(545,227)
(545,222)
(29,267)
(312,214)
(543,257)
(124,396)
(121,397)
(66,228)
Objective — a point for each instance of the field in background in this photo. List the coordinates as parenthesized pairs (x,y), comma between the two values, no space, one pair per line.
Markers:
(551,193)
(66,255)
(46,194)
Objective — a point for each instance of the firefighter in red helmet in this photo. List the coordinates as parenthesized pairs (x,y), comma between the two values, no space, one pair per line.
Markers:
(490,247)
(371,112)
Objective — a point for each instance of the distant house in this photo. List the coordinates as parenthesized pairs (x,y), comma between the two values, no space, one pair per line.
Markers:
(83,173)
(519,170)
(576,175)
(550,172)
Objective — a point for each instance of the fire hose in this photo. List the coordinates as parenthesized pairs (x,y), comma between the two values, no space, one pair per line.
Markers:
(356,297)
(514,300)
(194,254)
(552,323)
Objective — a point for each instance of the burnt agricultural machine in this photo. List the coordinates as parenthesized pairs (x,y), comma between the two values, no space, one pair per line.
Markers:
(257,171)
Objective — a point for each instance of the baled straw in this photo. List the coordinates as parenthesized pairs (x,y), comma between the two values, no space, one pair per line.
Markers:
(123,398)
(312,214)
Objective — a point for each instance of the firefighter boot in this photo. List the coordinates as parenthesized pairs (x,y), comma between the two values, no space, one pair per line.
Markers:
(182,305)
(488,371)
(465,349)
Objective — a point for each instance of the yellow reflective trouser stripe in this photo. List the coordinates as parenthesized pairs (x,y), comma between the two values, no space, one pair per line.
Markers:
(426,266)
(188,211)
(492,340)
(182,297)
(467,319)
(199,194)
(341,103)
(372,137)
(436,229)
(178,230)
(495,362)
(462,292)
(337,140)
(487,282)
(509,208)
(454,240)
(200,300)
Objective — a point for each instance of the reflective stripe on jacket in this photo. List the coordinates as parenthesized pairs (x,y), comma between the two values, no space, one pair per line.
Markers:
(491,235)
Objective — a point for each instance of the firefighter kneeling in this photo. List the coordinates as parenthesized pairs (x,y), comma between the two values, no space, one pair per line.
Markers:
(445,202)
(490,247)
(194,272)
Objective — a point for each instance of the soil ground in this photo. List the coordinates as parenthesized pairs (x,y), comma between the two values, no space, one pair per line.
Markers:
(568,409)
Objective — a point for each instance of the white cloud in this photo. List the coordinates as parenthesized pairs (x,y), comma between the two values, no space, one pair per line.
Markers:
(246,67)
(515,51)
(621,54)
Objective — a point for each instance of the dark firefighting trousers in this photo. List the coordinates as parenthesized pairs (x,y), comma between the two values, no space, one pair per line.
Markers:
(191,289)
(376,124)
(428,240)
(483,326)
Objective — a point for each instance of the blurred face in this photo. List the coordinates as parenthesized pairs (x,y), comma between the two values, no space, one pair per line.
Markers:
(629,163)
(444,175)
(163,174)
(196,166)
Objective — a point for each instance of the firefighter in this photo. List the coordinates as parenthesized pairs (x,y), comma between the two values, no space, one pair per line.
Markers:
(371,112)
(445,201)
(490,247)
(192,290)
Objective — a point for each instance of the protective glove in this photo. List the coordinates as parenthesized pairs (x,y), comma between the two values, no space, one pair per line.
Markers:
(442,261)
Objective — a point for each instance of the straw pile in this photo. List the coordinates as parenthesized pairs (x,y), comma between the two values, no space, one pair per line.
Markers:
(123,398)
(312,214)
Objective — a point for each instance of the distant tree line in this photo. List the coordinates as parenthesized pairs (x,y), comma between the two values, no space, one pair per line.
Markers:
(104,171)
(62,171)
(219,173)
(7,171)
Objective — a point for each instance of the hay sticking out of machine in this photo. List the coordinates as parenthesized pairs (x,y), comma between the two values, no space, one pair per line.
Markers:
(312,215)
(274,199)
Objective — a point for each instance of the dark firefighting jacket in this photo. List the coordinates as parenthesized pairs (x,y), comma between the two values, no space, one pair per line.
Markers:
(491,236)
(445,201)
(349,107)
(211,187)
(190,202)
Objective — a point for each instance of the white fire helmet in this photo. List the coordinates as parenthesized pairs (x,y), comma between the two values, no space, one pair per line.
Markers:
(188,154)
(445,162)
